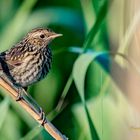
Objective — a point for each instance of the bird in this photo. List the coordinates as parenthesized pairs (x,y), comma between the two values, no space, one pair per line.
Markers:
(29,60)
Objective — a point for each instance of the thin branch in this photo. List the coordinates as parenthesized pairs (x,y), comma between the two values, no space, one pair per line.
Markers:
(30,105)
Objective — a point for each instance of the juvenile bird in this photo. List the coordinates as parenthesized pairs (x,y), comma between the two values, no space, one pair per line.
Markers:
(29,61)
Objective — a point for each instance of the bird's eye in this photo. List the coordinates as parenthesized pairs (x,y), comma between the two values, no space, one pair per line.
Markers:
(42,36)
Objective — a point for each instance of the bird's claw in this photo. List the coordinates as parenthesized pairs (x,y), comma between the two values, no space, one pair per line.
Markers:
(19,96)
(42,117)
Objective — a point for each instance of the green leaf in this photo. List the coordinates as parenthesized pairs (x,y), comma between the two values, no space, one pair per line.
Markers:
(32,134)
(108,117)
(88,13)
(80,69)
(14,29)
(79,73)
(56,16)
(4,106)
(97,25)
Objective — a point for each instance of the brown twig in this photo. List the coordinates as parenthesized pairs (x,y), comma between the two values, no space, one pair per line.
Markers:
(32,108)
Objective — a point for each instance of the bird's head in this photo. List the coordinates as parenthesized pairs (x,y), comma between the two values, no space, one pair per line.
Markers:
(41,37)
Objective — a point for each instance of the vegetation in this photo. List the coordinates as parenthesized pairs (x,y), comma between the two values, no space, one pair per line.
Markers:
(81,95)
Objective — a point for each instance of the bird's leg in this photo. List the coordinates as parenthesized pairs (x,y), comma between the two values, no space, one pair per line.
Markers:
(42,117)
(32,104)
(25,88)
(16,87)
(20,93)
(19,96)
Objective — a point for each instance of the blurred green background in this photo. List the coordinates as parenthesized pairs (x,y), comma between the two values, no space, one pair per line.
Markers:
(78,95)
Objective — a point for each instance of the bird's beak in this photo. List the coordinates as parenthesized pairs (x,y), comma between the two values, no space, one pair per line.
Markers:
(54,35)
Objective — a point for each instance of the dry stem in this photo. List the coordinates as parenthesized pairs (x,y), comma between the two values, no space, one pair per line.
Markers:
(33,109)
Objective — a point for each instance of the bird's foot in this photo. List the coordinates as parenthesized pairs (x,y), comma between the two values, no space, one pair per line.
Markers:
(19,96)
(42,117)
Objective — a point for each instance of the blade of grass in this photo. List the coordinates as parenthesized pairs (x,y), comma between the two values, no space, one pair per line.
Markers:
(56,15)
(91,35)
(129,33)
(32,134)
(124,46)
(14,29)
(86,44)
(79,72)
(4,106)
(88,13)
(100,18)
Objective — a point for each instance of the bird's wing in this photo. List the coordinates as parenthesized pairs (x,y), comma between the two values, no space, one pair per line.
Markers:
(10,58)
(5,64)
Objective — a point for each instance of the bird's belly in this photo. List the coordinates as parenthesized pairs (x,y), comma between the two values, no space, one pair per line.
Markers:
(25,76)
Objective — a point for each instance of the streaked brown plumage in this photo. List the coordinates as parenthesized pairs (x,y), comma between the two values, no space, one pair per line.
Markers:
(29,60)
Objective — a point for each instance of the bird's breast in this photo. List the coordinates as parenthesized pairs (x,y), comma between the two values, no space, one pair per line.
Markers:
(33,69)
